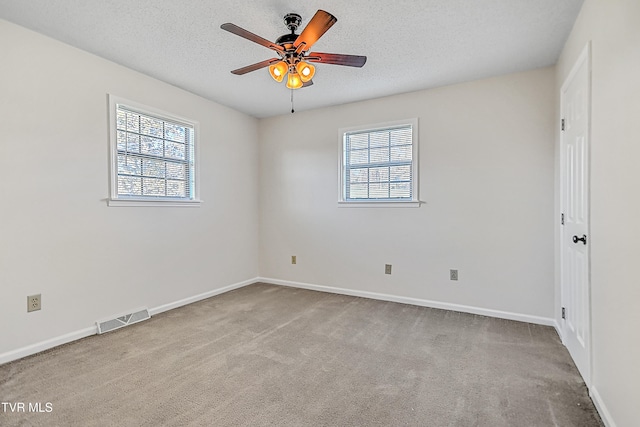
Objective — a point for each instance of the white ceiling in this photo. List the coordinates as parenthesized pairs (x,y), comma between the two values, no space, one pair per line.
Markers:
(410,44)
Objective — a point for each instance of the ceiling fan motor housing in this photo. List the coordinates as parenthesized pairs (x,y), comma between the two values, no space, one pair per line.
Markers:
(286,39)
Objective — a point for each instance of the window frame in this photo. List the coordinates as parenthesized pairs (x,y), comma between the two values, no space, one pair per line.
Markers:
(114,199)
(414,201)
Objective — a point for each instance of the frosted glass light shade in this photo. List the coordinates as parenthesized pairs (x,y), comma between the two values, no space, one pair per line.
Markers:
(294,81)
(306,71)
(278,70)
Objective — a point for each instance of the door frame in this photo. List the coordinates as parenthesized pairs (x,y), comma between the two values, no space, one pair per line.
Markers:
(583,58)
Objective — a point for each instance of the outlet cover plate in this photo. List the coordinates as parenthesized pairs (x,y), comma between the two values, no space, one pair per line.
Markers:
(387,269)
(453,274)
(294,259)
(34,303)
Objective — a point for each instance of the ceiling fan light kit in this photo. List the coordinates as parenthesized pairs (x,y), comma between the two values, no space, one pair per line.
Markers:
(293,52)
(294,81)
(278,71)
(306,71)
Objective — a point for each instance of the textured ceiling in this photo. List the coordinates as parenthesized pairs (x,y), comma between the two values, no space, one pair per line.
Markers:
(410,44)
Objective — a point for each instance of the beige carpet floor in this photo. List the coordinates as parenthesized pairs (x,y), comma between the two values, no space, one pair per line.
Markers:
(266,355)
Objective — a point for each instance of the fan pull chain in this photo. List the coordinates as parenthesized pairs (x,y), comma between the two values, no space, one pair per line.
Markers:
(292,110)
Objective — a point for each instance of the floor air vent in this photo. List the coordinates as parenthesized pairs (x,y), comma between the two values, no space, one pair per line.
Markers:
(119,322)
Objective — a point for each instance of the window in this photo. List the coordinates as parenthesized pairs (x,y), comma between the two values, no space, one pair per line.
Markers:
(379,165)
(152,157)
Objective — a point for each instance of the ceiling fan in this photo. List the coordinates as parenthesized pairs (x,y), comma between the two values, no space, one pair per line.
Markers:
(293,52)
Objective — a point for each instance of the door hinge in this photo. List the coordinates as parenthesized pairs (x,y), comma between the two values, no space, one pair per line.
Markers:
(562,124)
(562,218)
(564,313)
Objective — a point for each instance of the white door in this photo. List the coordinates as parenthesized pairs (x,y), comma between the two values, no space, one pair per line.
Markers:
(575,242)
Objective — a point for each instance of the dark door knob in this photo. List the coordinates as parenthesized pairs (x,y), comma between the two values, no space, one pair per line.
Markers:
(582,239)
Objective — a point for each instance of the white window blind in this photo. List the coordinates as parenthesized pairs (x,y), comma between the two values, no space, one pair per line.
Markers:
(154,156)
(378,164)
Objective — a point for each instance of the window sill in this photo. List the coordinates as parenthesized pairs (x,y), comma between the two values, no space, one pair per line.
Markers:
(154,202)
(380,204)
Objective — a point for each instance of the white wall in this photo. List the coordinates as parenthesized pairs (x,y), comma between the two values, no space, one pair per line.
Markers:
(614,30)
(486,177)
(58,236)
(486,167)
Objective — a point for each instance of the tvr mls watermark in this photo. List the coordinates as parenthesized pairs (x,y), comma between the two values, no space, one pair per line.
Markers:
(41,407)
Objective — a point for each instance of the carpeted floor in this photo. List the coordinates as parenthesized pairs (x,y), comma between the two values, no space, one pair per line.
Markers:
(265,355)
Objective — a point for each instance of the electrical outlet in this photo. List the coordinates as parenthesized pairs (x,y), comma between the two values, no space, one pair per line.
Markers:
(453,274)
(387,269)
(293,259)
(33,303)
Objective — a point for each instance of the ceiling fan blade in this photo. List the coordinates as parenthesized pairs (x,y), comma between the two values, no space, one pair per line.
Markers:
(306,84)
(232,28)
(318,25)
(256,66)
(337,59)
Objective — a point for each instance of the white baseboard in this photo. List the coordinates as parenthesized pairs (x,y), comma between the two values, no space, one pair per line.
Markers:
(47,344)
(199,297)
(593,392)
(558,329)
(85,332)
(415,301)
(607,419)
